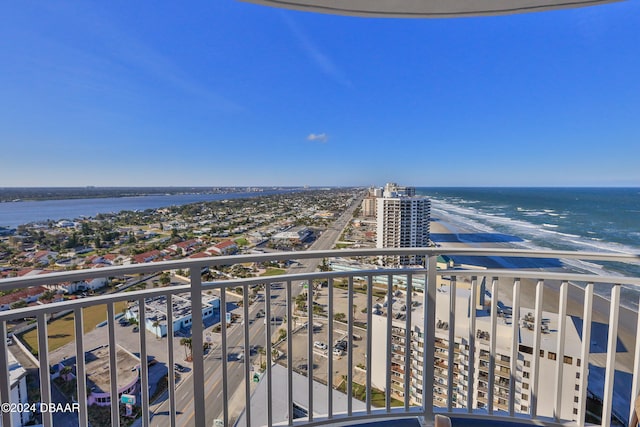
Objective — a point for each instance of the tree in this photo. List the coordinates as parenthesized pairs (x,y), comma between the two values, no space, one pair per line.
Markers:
(156,324)
(339,317)
(164,278)
(187,343)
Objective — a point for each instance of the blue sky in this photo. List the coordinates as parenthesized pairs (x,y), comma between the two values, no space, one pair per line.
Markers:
(228,93)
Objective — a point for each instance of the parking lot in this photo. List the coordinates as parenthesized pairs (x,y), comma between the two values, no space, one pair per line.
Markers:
(321,356)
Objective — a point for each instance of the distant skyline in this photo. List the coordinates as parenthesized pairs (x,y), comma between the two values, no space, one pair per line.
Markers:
(227,93)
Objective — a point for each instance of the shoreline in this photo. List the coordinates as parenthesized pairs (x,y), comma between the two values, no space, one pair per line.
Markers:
(627,320)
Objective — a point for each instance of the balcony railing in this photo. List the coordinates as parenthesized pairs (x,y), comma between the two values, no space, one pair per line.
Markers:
(321,407)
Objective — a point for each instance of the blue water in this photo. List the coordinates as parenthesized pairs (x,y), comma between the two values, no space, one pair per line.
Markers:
(584,219)
(15,213)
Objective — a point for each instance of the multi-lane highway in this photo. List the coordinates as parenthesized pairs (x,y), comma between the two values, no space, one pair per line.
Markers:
(235,345)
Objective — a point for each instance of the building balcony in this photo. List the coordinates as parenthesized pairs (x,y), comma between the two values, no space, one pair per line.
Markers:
(259,372)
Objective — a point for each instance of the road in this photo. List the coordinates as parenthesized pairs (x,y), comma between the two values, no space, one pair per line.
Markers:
(235,340)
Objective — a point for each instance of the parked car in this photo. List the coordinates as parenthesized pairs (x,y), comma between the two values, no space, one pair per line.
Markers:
(178,367)
(337,352)
(320,345)
(136,329)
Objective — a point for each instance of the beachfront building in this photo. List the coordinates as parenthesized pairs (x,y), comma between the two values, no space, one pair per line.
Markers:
(155,318)
(392,189)
(368,206)
(402,222)
(483,378)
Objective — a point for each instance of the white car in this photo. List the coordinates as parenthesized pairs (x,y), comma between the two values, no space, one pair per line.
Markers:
(337,352)
(320,345)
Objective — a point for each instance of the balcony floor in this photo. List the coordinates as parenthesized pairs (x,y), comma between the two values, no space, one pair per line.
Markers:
(455,422)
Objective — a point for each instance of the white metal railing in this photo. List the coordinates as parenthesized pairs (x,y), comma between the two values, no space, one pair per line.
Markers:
(412,403)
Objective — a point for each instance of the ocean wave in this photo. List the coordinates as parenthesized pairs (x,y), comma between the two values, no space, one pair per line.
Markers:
(549,225)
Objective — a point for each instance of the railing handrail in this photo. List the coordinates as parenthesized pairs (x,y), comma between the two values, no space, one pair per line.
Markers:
(55,307)
(78,275)
(428,326)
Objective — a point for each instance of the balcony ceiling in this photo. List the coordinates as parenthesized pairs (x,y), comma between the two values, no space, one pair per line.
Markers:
(426,8)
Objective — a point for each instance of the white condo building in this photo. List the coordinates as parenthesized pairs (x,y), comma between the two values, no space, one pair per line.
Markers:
(402,222)
(502,375)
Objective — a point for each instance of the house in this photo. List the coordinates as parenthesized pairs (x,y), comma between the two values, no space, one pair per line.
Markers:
(185,247)
(226,247)
(154,255)
(27,296)
(44,257)
(81,286)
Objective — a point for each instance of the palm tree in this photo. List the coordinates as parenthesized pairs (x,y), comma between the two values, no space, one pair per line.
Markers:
(155,325)
(187,343)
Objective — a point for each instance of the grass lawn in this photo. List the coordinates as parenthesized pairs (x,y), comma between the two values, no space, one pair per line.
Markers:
(61,331)
(343,245)
(377,292)
(273,272)
(377,396)
(242,241)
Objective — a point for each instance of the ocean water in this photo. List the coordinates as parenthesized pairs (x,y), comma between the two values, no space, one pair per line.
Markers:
(577,219)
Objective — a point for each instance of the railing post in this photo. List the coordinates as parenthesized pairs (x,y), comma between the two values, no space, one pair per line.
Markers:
(368,355)
(389,343)
(607,400)
(584,353)
(224,354)
(45,377)
(535,362)
(113,364)
(562,314)
(171,379)
(81,373)
(431,290)
(636,368)
(515,336)
(197,351)
(5,391)
(289,354)
(472,343)
(492,344)
(452,342)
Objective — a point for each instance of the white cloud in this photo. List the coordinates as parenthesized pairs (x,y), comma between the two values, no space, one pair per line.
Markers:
(320,137)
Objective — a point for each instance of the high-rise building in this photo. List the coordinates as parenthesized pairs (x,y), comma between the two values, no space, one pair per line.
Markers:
(402,222)
(478,367)
(368,206)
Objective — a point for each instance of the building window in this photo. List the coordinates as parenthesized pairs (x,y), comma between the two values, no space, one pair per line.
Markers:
(527,364)
(541,353)
(524,408)
(551,355)
(525,375)
(575,411)
(525,397)
(577,387)
(568,360)
(525,386)
(577,375)
(526,349)
(576,399)
(578,363)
